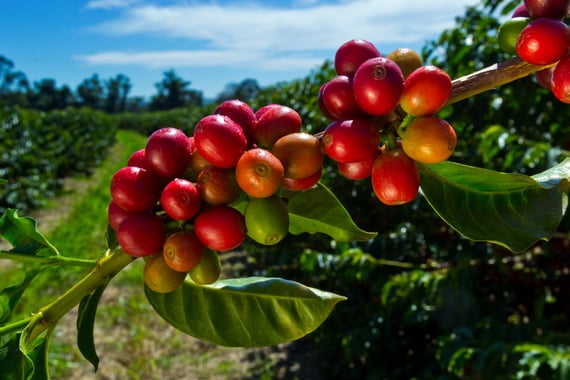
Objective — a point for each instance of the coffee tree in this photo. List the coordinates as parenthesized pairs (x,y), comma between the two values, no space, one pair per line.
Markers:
(255,174)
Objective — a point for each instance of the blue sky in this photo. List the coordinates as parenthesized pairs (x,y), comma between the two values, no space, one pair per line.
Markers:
(209,43)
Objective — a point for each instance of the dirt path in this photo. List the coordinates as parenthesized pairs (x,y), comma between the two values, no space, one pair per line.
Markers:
(48,218)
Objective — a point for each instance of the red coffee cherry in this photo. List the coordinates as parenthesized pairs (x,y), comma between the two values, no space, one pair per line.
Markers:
(116,215)
(338,98)
(300,184)
(135,189)
(220,228)
(321,104)
(138,159)
(218,186)
(167,151)
(395,179)
(351,54)
(180,199)
(426,90)
(240,112)
(429,140)
(561,80)
(182,251)
(351,140)
(300,153)
(220,140)
(259,173)
(543,41)
(141,235)
(555,9)
(275,121)
(377,85)
(356,170)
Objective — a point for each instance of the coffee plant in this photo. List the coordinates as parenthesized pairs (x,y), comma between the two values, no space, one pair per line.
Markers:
(71,142)
(243,174)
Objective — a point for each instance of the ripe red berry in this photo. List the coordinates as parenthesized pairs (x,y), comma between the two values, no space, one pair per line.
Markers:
(141,235)
(259,173)
(240,112)
(377,85)
(220,140)
(220,228)
(543,41)
(351,140)
(555,9)
(180,199)
(426,90)
(395,178)
(116,215)
(275,121)
(182,251)
(520,11)
(138,159)
(135,189)
(338,98)
(300,153)
(561,80)
(350,55)
(167,151)
(356,170)
(300,184)
(321,103)
(218,186)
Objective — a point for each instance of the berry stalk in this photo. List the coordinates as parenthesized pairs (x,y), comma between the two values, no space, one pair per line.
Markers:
(105,269)
(491,77)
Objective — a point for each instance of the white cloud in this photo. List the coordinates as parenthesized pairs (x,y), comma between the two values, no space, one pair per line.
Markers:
(265,37)
(200,58)
(109,4)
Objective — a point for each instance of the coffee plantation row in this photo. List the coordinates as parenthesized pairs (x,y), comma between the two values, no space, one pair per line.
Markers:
(39,149)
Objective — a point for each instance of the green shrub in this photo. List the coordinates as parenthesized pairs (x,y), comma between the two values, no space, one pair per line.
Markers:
(39,149)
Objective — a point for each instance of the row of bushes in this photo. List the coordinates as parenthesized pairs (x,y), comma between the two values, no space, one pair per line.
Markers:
(39,149)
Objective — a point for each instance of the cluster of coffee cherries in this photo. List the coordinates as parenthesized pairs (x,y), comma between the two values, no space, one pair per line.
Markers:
(175,202)
(538,33)
(383,118)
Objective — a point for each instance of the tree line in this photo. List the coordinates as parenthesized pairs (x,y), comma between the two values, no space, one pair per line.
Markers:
(110,95)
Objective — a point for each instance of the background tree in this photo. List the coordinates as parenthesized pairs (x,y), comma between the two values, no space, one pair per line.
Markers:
(14,84)
(91,92)
(117,91)
(246,90)
(174,92)
(45,95)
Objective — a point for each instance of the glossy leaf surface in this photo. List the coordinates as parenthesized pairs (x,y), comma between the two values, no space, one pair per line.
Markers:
(245,312)
(512,210)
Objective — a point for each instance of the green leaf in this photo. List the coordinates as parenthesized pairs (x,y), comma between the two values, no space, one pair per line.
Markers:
(512,210)
(14,364)
(246,312)
(22,363)
(10,296)
(85,324)
(23,235)
(318,210)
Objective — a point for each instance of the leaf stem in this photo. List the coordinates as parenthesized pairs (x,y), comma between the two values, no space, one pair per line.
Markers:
(15,326)
(105,269)
(491,77)
(50,260)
